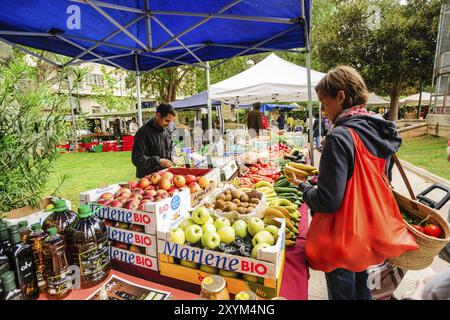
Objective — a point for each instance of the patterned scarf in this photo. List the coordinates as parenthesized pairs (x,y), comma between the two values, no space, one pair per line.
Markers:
(354,111)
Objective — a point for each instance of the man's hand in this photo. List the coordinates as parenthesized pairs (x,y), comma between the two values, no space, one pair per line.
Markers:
(165,163)
(292,178)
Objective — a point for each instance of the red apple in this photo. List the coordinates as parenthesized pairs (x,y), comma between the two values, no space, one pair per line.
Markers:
(203,182)
(137,228)
(155,178)
(172,190)
(104,201)
(194,187)
(106,196)
(120,245)
(124,191)
(143,183)
(136,197)
(165,184)
(190,178)
(179,181)
(107,222)
(150,193)
(161,194)
(134,248)
(122,199)
(132,184)
(167,175)
(150,187)
(138,191)
(116,203)
(133,205)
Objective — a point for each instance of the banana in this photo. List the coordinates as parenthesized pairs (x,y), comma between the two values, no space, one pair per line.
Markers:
(272,212)
(302,167)
(299,173)
(282,202)
(293,208)
(263,184)
(289,243)
(245,189)
(288,235)
(282,210)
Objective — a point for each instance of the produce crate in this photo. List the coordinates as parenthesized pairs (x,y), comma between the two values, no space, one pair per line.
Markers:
(267,268)
(97,148)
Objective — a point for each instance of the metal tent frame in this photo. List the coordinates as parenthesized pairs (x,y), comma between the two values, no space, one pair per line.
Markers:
(148,50)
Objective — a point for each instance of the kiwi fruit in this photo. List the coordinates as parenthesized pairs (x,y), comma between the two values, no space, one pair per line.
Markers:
(228,197)
(254,200)
(220,204)
(244,204)
(236,194)
(237,201)
(242,210)
(228,192)
(249,209)
(221,196)
(244,198)
(230,207)
(209,205)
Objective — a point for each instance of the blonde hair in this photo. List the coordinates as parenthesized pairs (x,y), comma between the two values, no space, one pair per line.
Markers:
(348,80)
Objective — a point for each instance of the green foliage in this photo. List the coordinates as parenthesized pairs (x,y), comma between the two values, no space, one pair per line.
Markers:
(31,125)
(105,96)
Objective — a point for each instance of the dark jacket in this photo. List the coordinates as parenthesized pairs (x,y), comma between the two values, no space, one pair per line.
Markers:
(254,120)
(151,144)
(379,136)
(281,121)
(316,128)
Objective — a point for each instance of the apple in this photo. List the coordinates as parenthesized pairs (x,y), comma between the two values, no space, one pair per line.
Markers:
(143,183)
(116,203)
(273,230)
(200,215)
(167,175)
(146,200)
(124,192)
(186,223)
(132,185)
(134,248)
(120,245)
(208,227)
(151,192)
(190,178)
(150,187)
(257,247)
(210,240)
(165,184)
(137,228)
(172,190)
(104,201)
(122,225)
(229,274)
(106,196)
(255,225)
(226,234)
(263,236)
(240,228)
(194,187)
(162,194)
(204,182)
(193,233)
(108,223)
(177,235)
(155,178)
(138,191)
(136,197)
(189,264)
(208,269)
(179,181)
(132,204)
(210,220)
(250,278)
(222,222)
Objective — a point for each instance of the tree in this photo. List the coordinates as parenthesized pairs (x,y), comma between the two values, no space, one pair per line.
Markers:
(392,57)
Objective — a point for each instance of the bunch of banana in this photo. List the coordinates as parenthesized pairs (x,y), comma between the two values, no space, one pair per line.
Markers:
(283,208)
(302,171)
(266,188)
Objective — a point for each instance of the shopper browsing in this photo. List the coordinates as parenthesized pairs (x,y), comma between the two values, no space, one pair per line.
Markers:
(133,128)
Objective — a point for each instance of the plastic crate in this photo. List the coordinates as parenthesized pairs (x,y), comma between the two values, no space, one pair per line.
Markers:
(97,148)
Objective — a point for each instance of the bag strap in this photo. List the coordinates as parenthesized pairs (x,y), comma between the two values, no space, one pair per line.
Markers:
(405,178)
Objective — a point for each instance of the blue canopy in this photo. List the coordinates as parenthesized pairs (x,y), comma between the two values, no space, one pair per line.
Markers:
(270,107)
(197,100)
(145,35)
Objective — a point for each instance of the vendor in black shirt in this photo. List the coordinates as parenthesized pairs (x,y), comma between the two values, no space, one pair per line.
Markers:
(153,143)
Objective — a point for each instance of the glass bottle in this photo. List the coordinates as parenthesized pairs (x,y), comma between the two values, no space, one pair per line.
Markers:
(24,230)
(36,240)
(61,218)
(10,291)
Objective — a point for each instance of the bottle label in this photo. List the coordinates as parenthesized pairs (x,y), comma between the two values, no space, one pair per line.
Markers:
(59,283)
(94,260)
(27,276)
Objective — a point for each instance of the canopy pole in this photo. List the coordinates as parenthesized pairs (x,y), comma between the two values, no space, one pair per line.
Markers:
(138,94)
(74,123)
(320,123)
(208,80)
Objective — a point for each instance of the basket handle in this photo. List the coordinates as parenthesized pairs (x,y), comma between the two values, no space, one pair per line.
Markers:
(405,178)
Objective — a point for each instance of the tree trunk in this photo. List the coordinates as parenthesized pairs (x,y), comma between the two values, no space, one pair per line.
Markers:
(395,95)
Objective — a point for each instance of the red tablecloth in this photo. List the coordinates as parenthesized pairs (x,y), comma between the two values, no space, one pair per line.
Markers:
(294,285)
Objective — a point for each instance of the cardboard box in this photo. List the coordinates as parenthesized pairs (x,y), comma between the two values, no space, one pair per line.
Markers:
(30,214)
(267,265)
(140,260)
(198,197)
(136,238)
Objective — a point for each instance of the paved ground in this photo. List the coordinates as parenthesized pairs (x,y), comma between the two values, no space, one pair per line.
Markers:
(317,284)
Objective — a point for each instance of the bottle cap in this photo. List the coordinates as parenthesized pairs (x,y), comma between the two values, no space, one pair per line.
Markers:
(84,211)
(52,231)
(23,224)
(15,237)
(36,226)
(13,228)
(59,206)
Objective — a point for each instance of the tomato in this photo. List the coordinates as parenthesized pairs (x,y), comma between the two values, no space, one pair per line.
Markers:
(432,230)
(418,228)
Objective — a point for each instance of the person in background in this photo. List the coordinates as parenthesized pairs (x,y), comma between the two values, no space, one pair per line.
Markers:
(265,123)
(254,119)
(291,122)
(133,128)
(316,134)
(152,149)
(117,131)
(326,125)
(281,120)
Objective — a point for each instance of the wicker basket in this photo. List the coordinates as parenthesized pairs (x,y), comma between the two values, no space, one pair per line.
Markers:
(429,247)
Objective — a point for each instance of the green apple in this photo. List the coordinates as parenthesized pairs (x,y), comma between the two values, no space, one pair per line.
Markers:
(257,247)
(273,230)
(222,222)
(250,278)
(189,264)
(210,240)
(208,269)
(208,227)
(226,234)
(177,235)
(263,236)
(186,223)
(240,228)
(229,274)
(200,215)
(211,220)
(193,233)
(255,225)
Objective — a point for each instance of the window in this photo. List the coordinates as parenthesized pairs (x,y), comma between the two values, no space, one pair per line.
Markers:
(94,79)
(95,109)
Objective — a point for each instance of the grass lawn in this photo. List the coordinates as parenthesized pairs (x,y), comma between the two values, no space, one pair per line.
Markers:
(86,171)
(427,152)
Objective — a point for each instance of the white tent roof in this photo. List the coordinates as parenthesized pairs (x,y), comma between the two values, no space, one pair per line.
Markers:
(271,80)
(375,100)
(414,99)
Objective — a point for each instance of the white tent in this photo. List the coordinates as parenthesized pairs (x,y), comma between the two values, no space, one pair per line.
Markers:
(271,80)
(374,100)
(414,99)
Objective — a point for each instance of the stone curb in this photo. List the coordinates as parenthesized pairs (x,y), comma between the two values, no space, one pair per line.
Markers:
(424,173)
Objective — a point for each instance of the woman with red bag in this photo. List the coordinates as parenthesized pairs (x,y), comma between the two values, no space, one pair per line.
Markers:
(357,223)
